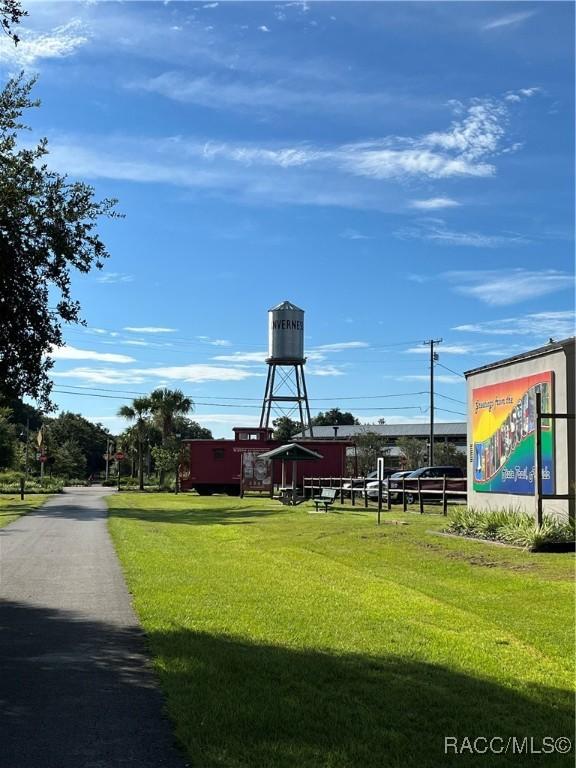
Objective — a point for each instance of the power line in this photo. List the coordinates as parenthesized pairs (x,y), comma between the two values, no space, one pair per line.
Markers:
(446,410)
(228,405)
(257,399)
(447,397)
(457,373)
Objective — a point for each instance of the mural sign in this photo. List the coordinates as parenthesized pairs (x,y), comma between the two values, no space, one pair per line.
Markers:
(256,472)
(503,431)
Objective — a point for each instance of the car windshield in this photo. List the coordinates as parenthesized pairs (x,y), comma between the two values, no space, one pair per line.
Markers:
(418,472)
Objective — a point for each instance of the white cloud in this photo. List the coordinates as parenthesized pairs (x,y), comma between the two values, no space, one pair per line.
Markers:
(226,91)
(436,231)
(342,345)
(149,329)
(477,134)
(114,424)
(73,353)
(433,203)
(352,234)
(242,357)
(438,377)
(355,175)
(397,163)
(456,151)
(101,375)
(325,370)
(447,349)
(504,287)
(196,373)
(508,20)
(558,325)
(214,342)
(200,372)
(522,93)
(59,43)
(263,28)
(114,277)
(419,278)
(232,419)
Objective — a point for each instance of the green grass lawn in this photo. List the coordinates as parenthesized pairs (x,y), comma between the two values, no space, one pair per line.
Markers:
(11,507)
(288,639)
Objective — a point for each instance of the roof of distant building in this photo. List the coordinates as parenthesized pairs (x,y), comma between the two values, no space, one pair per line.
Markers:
(441,429)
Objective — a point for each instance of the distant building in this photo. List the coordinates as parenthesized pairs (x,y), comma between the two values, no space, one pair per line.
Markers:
(444,432)
(501,430)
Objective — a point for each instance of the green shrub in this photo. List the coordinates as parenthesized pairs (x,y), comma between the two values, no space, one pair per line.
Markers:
(10,476)
(511,526)
(31,486)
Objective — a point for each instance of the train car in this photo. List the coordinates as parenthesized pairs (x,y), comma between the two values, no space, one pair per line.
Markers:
(215,466)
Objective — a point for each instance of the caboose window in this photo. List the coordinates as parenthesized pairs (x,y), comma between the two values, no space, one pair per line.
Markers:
(218,453)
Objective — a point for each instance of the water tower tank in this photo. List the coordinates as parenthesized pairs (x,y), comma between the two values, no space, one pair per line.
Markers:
(286,333)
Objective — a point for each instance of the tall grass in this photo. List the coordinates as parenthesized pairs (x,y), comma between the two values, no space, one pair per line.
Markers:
(511,526)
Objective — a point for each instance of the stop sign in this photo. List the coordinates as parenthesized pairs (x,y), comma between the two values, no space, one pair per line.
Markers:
(43,458)
(119,456)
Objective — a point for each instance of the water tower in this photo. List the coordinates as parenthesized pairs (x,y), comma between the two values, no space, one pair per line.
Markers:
(285,386)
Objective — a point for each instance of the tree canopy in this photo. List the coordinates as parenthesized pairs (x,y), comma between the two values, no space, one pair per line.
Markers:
(285,428)
(334,417)
(11,13)
(70,436)
(47,231)
(415,450)
(370,447)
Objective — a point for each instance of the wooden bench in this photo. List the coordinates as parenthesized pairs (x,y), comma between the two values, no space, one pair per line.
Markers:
(327,498)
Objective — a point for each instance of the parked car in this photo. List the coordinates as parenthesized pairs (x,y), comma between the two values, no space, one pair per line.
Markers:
(387,485)
(357,483)
(428,475)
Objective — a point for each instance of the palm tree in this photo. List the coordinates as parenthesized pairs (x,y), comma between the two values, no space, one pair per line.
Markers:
(138,413)
(166,405)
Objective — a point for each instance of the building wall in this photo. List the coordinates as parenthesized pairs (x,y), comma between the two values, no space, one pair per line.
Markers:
(561,362)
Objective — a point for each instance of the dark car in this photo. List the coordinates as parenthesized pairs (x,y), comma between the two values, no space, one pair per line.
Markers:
(455,476)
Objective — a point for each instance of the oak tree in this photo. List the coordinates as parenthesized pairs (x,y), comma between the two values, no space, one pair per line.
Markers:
(47,231)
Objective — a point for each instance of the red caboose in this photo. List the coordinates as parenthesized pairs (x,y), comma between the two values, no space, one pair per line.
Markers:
(215,466)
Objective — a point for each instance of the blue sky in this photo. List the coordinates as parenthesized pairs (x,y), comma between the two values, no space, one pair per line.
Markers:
(400,171)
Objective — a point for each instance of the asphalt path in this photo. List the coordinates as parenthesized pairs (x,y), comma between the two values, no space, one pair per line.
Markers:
(76,686)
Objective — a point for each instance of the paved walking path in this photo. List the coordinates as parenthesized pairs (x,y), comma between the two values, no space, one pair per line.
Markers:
(76,690)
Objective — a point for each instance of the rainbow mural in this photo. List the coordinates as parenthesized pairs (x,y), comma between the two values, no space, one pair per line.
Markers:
(503,426)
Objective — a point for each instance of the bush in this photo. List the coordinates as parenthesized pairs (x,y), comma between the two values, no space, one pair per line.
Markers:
(511,526)
(49,485)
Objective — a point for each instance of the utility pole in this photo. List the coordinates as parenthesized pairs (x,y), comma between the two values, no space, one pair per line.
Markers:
(433,358)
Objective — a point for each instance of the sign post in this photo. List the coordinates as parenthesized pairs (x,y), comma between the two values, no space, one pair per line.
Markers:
(118,456)
(380,468)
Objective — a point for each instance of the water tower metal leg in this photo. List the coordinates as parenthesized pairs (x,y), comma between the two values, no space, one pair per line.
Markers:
(263,421)
(268,397)
(306,403)
(297,369)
